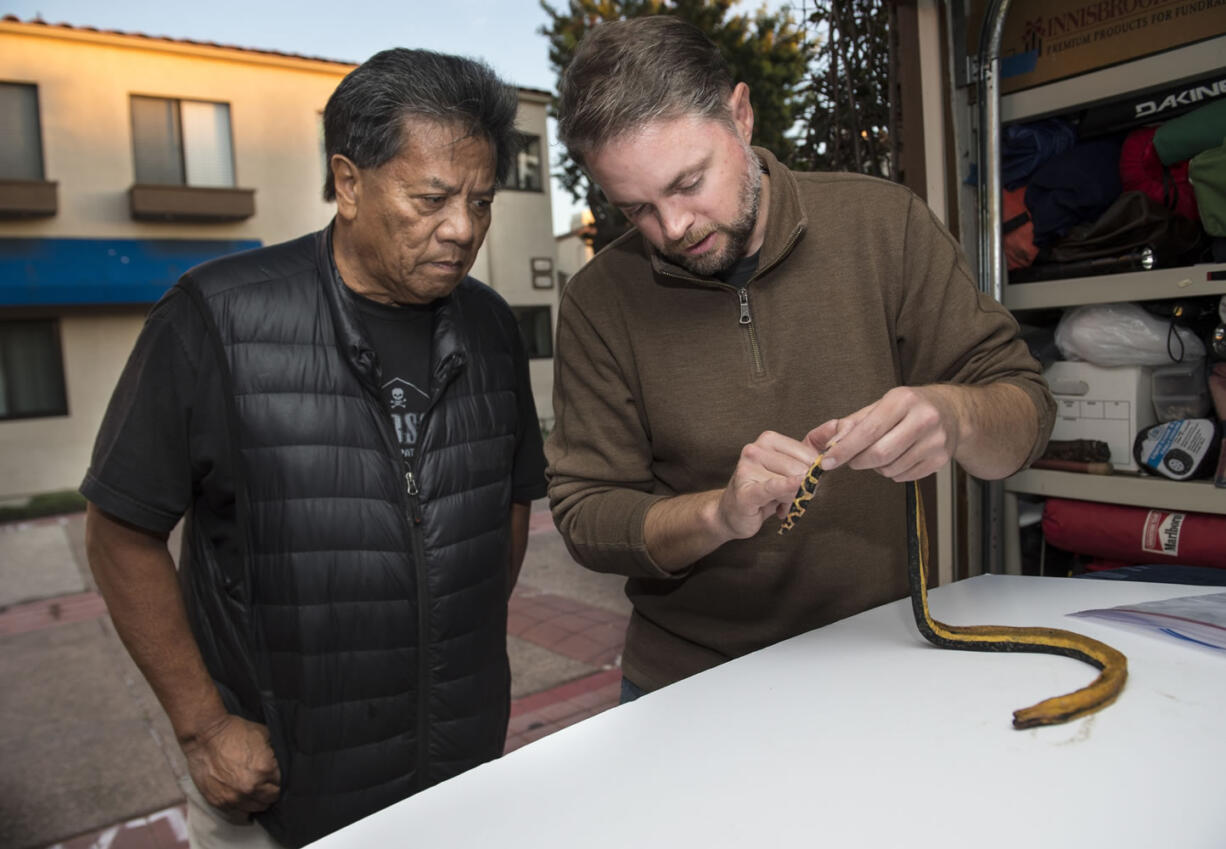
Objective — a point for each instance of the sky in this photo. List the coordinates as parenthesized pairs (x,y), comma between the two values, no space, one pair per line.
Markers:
(504,33)
(501,32)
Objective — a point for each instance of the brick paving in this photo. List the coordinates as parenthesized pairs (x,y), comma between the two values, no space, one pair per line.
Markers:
(566,626)
(165,829)
(559,624)
(541,714)
(32,616)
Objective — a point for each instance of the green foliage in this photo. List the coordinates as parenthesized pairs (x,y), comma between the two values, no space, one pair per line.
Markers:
(47,504)
(849,90)
(767,51)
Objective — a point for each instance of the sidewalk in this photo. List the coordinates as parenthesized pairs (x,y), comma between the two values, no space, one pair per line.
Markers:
(87,758)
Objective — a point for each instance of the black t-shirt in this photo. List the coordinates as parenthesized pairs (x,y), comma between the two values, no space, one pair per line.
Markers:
(150,454)
(738,275)
(401,337)
(156,451)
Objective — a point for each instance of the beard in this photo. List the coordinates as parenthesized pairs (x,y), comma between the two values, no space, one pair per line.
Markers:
(736,234)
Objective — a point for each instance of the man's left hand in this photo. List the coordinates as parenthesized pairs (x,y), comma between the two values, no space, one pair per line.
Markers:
(907,434)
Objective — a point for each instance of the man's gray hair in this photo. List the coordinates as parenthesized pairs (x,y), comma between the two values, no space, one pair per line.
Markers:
(365,117)
(626,74)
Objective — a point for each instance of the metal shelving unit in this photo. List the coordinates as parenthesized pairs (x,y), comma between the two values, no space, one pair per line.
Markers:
(1130,490)
(1187,282)
(1065,96)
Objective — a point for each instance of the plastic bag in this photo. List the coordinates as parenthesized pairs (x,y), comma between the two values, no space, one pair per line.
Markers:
(1124,335)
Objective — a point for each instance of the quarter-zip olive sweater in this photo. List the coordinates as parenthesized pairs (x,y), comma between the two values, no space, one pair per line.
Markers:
(662,377)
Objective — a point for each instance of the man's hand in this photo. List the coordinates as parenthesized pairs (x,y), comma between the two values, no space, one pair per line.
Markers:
(763,483)
(909,433)
(912,431)
(681,529)
(233,765)
(228,757)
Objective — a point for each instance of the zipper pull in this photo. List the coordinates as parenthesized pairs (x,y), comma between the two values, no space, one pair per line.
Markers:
(411,486)
(743,295)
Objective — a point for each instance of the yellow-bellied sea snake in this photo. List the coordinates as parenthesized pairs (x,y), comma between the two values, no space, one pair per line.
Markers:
(1112,664)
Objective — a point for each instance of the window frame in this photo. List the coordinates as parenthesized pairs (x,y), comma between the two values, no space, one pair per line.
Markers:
(181,141)
(524,311)
(514,182)
(40,147)
(58,353)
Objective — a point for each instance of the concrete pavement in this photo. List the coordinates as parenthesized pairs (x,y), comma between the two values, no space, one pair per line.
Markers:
(87,758)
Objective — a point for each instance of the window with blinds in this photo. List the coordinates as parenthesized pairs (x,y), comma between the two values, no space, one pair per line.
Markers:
(526,173)
(31,370)
(182,142)
(21,145)
(536,330)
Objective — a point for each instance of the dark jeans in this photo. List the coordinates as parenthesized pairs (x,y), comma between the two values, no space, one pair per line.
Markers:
(630,691)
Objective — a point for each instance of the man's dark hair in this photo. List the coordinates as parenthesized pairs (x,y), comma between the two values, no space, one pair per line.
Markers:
(365,117)
(626,74)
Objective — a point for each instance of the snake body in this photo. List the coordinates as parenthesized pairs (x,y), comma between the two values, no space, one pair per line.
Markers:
(806,491)
(1112,665)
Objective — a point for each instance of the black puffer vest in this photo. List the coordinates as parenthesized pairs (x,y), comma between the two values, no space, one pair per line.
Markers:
(354,605)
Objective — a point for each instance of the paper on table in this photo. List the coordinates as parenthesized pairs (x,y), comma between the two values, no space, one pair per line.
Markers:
(1199,619)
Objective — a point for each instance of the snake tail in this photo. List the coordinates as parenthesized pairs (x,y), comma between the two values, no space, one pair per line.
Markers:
(1112,665)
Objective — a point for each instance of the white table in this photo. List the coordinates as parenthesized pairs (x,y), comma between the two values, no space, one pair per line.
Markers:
(862,735)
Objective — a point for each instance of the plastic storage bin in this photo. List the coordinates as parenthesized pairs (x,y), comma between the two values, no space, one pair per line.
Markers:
(1180,391)
(1110,404)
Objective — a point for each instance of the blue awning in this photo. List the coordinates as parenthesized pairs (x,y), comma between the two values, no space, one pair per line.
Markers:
(53,272)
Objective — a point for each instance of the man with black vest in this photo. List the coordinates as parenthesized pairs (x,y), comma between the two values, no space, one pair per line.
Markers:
(345,422)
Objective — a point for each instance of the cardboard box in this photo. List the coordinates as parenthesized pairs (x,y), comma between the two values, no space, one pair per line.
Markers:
(1046,40)
(1108,404)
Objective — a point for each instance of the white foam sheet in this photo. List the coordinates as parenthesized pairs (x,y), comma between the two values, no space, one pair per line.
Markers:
(861,734)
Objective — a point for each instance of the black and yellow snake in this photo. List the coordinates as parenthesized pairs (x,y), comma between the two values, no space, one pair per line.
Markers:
(1112,664)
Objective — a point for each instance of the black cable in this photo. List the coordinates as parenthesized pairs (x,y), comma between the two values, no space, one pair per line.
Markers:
(1170,331)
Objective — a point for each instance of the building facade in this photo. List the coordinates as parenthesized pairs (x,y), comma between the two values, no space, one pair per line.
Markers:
(574,247)
(127,159)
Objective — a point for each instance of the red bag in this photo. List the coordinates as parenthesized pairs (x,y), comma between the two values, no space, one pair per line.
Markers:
(1135,534)
(1142,171)
(1018,230)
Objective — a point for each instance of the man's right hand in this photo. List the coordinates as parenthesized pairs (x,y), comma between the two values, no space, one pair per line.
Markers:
(681,529)
(764,482)
(228,757)
(233,765)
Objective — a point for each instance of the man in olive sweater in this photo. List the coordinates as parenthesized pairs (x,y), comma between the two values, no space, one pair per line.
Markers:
(753,318)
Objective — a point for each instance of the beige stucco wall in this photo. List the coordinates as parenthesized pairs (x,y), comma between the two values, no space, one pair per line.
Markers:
(523,229)
(49,454)
(84,83)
